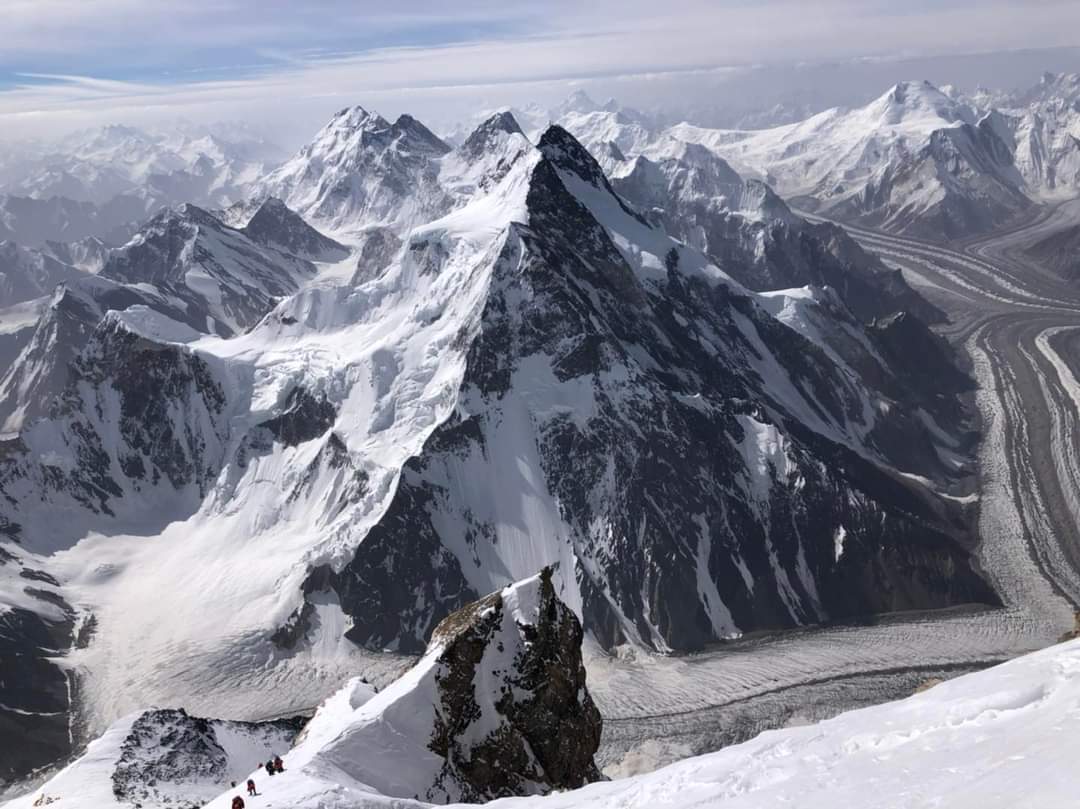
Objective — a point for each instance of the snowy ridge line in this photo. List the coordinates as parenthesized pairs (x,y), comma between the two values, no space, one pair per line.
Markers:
(997,738)
(914,160)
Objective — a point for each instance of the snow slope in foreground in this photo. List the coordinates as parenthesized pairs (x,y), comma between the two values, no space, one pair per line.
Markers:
(1004,737)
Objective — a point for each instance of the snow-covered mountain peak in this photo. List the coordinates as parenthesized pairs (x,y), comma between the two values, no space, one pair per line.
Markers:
(1041,126)
(1060,88)
(355,128)
(351,119)
(414,135)
(500,123)
(913,159)
(567,154)
(484,158)
(577,102)
(172,227)
(360,171)
(692,178)
(696,156)
(917,103)
(600,127)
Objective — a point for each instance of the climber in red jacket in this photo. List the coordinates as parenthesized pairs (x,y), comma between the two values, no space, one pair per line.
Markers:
(251,787)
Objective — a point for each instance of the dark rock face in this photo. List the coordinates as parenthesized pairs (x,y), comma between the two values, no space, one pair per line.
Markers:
(161,401)
(378,250)
(275,225)
(170,758)
(40,371)
(481,138)
(418,137)
(1060,251)
(151,379)
(549,728)
(304,418)
(166,746)
(406,587)
(34,731)
(919,357)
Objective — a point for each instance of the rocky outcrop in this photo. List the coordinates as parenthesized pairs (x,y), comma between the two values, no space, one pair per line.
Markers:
(498,706)
(304,417)
(163,759)
(546,727)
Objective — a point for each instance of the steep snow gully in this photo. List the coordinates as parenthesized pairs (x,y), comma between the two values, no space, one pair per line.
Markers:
(1019,327)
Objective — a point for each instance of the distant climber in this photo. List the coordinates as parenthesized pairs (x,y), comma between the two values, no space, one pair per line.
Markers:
(251,787)
(237,803)
(279,765)
(270,767)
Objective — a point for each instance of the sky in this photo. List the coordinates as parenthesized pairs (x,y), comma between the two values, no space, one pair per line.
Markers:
(286,65)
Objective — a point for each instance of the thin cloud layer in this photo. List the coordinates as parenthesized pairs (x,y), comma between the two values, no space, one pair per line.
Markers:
(67,63)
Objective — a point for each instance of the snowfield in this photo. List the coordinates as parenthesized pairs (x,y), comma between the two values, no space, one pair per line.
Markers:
(1005,737)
